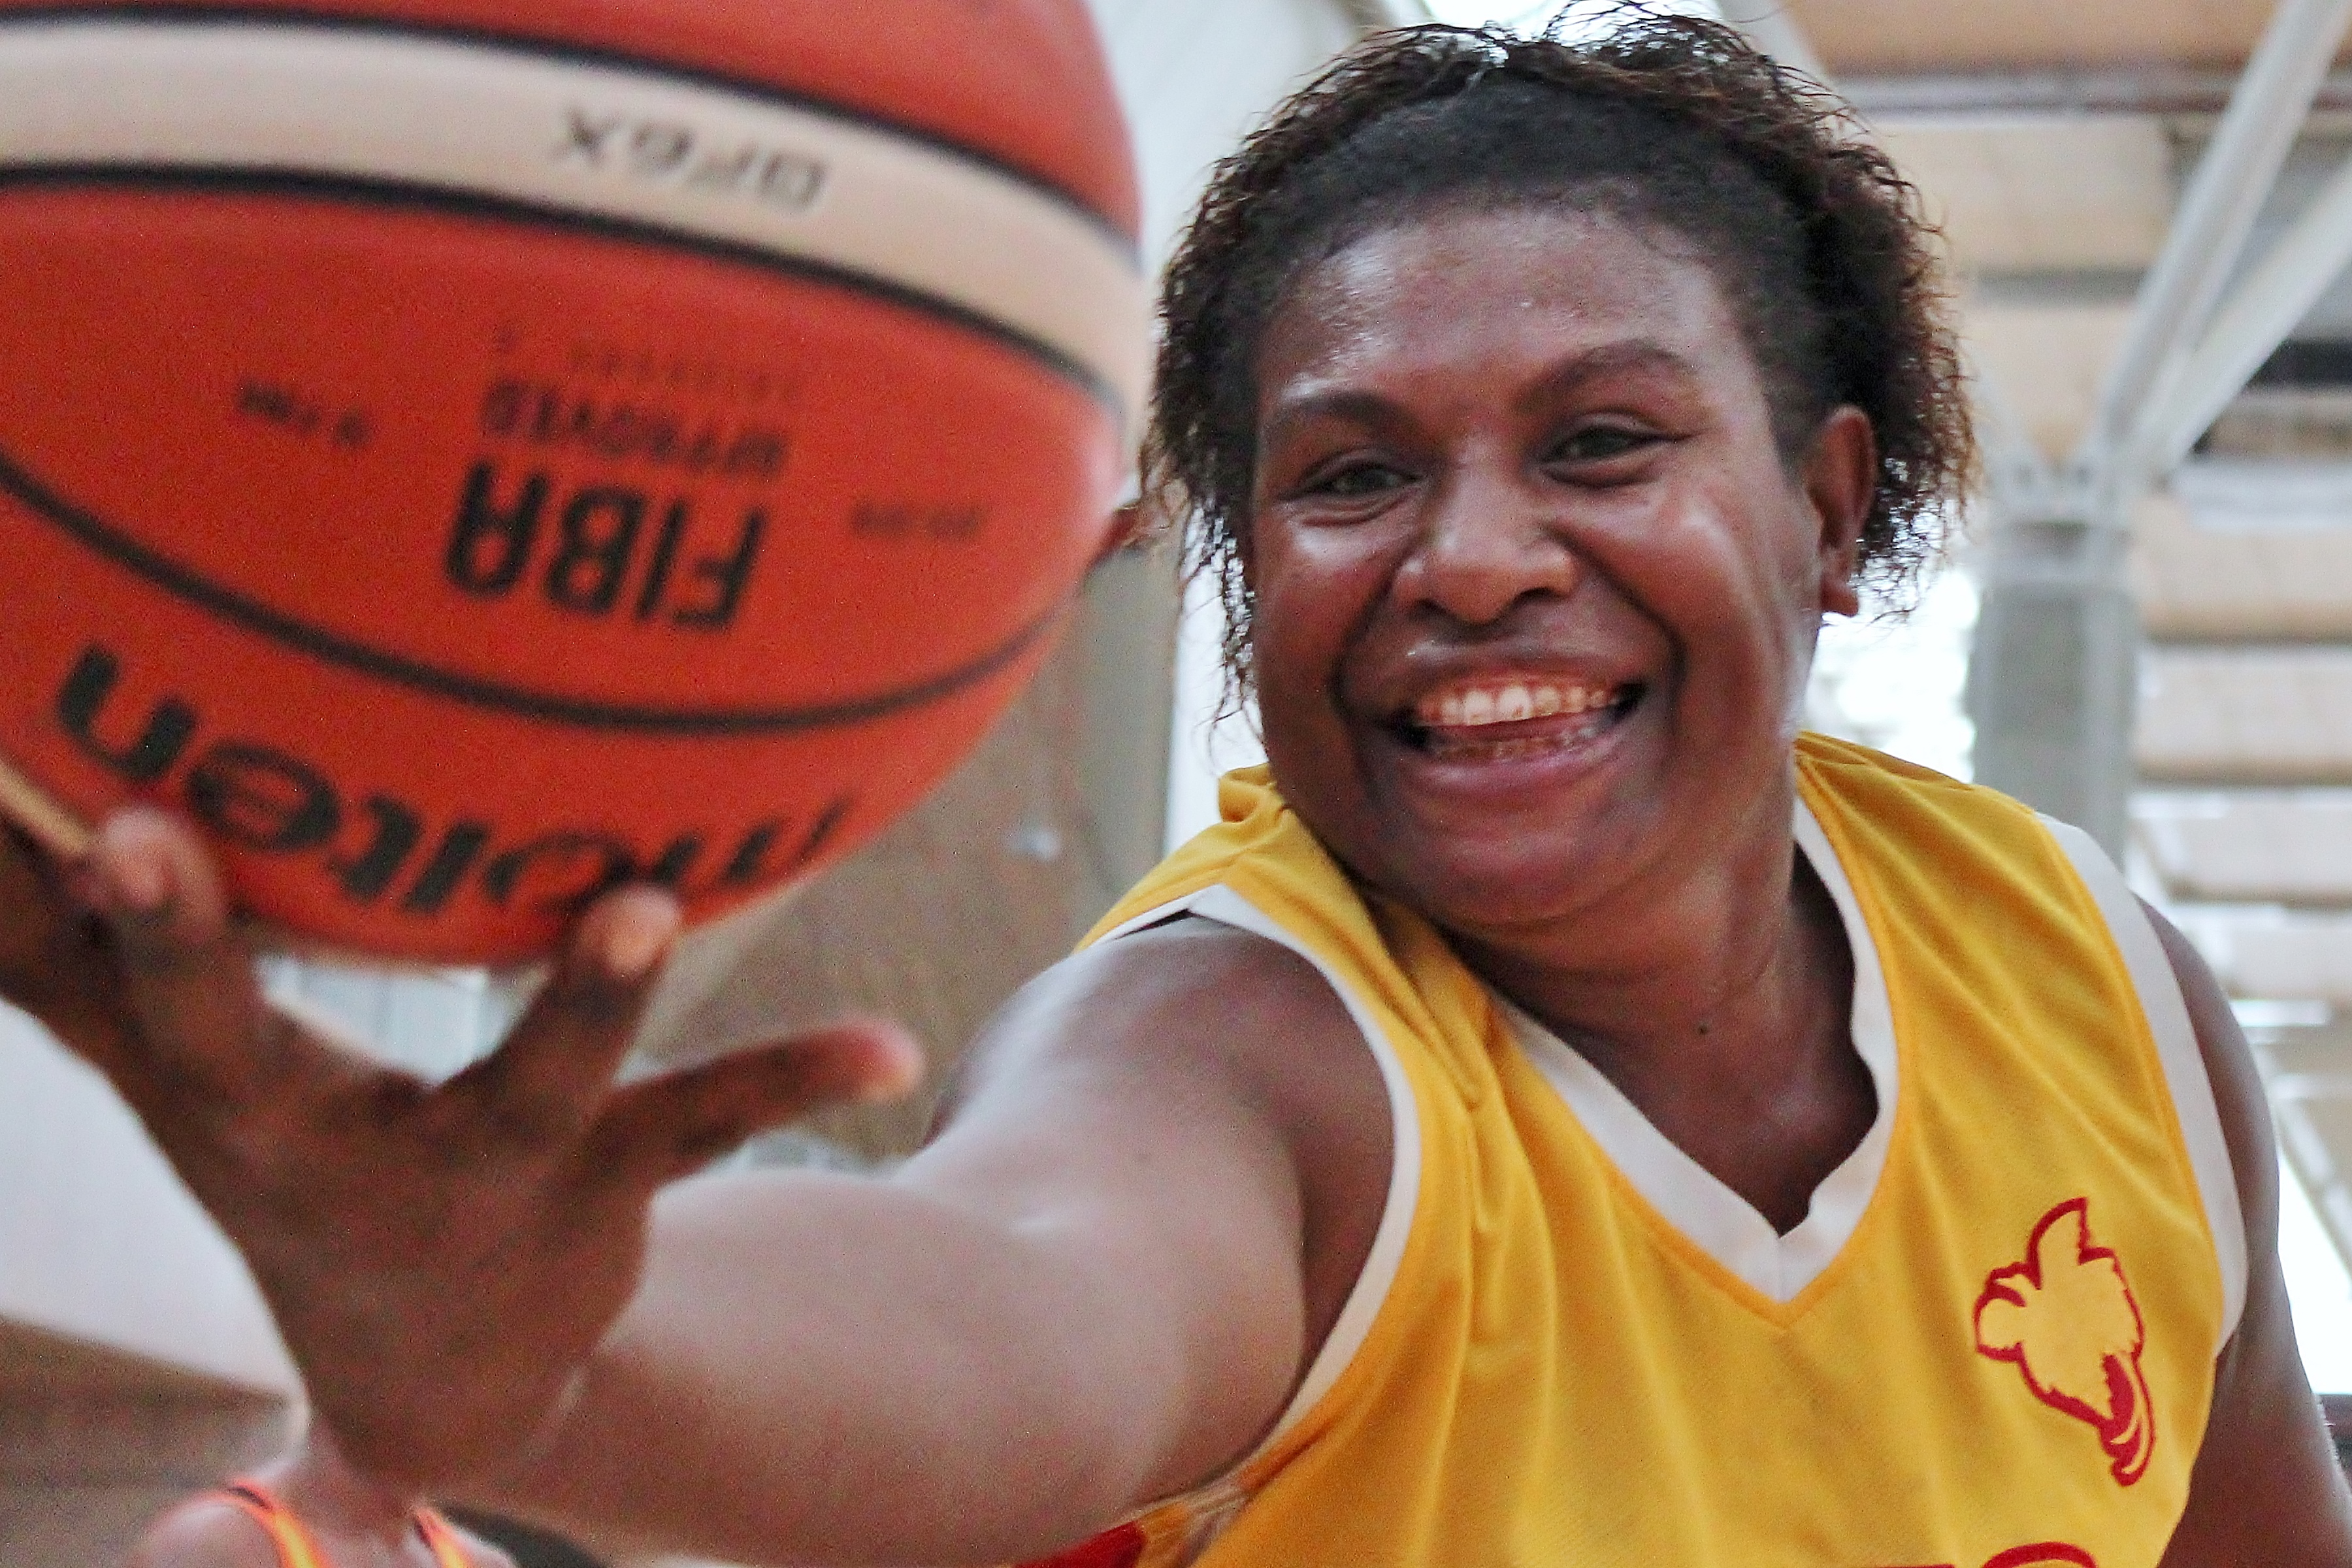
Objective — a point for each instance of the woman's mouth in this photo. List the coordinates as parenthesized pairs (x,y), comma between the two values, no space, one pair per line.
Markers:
(1500,719)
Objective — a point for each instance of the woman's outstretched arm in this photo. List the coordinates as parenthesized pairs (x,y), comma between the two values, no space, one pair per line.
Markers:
(1087,1293)
(1093,1289)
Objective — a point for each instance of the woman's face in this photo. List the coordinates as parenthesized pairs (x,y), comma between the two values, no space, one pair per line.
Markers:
(1536,594)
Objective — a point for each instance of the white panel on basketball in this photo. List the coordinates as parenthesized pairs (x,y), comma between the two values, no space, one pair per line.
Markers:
(603,140)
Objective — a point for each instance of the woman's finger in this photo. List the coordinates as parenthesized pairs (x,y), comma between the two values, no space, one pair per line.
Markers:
(549,1077)
(657,1131)
(31,902)
(52,963)
(186,973)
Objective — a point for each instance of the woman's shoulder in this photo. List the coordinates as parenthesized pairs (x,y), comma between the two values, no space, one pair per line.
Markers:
(206,1531)
(1913,811)
(1187,1036)
(1185,986)
(1196,1021)
(1820,756)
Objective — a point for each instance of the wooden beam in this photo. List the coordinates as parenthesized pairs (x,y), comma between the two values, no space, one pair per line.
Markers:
(2146,89)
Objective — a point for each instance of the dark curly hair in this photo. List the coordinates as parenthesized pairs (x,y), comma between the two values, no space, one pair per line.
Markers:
(1672,123)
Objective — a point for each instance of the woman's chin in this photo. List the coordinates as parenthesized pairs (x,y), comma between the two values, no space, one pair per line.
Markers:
(1523,881)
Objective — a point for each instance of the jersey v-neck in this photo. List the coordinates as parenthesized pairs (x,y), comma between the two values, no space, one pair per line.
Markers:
(1690,1199)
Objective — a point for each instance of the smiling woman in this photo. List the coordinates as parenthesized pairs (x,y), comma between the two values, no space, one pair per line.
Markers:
(1561,1114)
(1531,405)
(1816,245)
(1464,469)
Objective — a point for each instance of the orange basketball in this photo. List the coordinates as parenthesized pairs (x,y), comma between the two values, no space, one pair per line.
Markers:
(465,453)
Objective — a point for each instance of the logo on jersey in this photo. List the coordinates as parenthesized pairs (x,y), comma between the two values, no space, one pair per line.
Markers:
(2066,1315)
(2041,1554)
(1118,1547)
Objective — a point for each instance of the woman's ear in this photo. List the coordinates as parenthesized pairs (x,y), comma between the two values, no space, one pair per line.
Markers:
(1841,480)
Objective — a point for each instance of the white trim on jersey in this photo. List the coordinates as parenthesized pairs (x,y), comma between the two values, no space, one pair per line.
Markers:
(1221,904)
(2191,1087)
(1690,1197)
(604,140)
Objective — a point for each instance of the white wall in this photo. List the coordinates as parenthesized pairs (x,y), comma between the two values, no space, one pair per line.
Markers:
(100,1242)
(1196,76)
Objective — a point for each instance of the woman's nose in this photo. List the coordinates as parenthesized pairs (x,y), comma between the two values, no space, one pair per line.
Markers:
(1485,543)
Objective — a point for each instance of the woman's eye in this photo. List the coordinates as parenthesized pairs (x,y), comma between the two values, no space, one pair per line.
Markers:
(1599,443)
(1356,480)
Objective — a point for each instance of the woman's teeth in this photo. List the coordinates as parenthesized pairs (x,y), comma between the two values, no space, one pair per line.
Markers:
(1463,706)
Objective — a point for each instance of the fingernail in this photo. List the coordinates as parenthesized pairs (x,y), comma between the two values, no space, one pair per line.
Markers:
(139,880)
(901,1072)
(639,927)
(882,1091)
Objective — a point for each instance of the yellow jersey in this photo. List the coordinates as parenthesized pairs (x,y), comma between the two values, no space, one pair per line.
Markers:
(1989,1344)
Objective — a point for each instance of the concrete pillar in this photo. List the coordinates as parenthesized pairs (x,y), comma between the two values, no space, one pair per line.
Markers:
(1126,644)
(2054,672)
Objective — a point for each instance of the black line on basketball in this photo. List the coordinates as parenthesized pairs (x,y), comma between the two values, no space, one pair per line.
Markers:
(555,707)
(294,18)
(369,191)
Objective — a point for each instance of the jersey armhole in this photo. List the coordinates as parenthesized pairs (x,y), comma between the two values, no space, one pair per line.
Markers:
(441,1539)
(2191,1087)
(1221,904)
(261,1505)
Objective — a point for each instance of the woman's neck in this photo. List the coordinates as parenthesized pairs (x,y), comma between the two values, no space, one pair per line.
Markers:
(1721,1013)
(1685,962)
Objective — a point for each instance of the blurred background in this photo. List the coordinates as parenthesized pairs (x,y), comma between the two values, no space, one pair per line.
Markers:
(2146,629)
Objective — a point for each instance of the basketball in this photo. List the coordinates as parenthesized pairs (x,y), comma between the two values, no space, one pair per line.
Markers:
(464,453)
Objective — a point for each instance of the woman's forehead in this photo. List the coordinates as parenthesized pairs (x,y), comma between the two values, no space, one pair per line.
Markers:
(1521,286)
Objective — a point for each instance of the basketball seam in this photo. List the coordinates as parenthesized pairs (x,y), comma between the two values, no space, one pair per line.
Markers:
(418,194)
(332,647)
(588,54)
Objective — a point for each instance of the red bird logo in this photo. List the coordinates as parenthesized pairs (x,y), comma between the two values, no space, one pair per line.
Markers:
(2066,1317)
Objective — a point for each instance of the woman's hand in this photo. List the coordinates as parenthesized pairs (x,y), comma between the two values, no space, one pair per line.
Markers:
(441,1260)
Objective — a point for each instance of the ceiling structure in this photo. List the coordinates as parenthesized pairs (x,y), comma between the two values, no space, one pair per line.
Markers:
(2059,146)
(1860,40)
